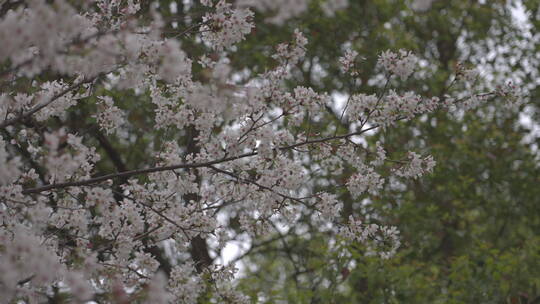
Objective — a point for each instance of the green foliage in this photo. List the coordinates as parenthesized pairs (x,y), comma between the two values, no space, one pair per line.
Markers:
(470,229)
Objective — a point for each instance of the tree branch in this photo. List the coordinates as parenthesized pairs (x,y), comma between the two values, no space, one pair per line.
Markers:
(126,174)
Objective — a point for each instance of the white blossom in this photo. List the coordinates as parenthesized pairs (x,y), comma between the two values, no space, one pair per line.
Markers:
(401,64)
(291,53)
(380,155)
(329,206)
(10,167)
(109,117)
(366,180)
(347,62)
(379,240)
(416,166)
(226,26)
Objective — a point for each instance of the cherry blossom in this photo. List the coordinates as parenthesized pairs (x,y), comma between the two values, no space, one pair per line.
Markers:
(75,217)
(401,64)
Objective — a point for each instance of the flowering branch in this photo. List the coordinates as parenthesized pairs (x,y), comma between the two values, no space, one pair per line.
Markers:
(126,174)
(35,109)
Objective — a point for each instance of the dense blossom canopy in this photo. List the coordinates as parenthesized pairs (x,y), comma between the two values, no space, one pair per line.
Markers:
(234,148)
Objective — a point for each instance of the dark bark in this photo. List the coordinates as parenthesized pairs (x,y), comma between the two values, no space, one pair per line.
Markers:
(199,247)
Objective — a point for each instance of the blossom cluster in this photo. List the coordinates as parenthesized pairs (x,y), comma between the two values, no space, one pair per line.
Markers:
(347,62)
(382,241)
(401,64)
(226,26)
